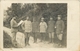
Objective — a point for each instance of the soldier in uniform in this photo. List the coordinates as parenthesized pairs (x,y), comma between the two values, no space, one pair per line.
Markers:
(27,27)
(14,29)
(59,29)
(43,28)
(51,26)
(35,29)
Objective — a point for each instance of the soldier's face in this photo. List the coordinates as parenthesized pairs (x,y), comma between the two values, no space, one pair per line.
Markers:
(51,18)
(27,18)
(59,18)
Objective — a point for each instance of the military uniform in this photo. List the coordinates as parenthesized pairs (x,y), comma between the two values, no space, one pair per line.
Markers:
(35,30)
(59,27)
(43,28)
(51,27)
(27,27)
(14,29)
(59,30)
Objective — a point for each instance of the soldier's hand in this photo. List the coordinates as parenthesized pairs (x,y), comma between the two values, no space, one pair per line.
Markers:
(55,26)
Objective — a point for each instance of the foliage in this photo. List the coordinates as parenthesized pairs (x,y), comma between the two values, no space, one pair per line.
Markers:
(36,11)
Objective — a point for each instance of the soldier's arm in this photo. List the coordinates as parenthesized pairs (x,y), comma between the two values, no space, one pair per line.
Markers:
(39,24)
(16,24)
(13,24)
(31,25)
(45,25)
(62,26)
(22,25)
(48,24)
(55,24)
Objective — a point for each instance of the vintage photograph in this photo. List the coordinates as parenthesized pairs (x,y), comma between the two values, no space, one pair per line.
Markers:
(31,25)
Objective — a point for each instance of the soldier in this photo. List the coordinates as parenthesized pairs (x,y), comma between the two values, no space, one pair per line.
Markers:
(27,27)
(35,29)
(51,26)
(14,29)
(43,28)
(59,29)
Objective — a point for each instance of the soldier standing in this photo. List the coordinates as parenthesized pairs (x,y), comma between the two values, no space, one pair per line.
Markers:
(59,29)
(27,27)
(35,29)
(51,26)
(43,28)
(14,29)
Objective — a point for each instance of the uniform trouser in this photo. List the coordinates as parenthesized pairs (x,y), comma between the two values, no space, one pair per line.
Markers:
(51,36)
(27,35)
(13,37)
(42,36)
(35,36)
(60,38)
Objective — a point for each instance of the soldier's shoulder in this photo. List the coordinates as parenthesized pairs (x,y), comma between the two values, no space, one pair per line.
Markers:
(44,22)
(12,20)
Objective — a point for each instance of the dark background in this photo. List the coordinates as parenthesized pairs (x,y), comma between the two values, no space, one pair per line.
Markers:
(36,11)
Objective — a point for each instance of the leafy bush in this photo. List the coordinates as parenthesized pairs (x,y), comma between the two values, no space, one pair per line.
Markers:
(36,11)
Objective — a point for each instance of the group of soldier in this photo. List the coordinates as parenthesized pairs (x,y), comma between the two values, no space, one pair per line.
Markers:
(39,27)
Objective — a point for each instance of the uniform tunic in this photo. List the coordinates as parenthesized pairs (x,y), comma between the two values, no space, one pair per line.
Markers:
(43,27)
(51,26)
(59,26)
(35,26)
(14,27)
(27,26)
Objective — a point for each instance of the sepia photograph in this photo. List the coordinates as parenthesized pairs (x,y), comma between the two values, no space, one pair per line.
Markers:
(40,25)
(31,25)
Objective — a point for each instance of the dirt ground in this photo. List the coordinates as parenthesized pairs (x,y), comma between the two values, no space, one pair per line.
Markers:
(20,38)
